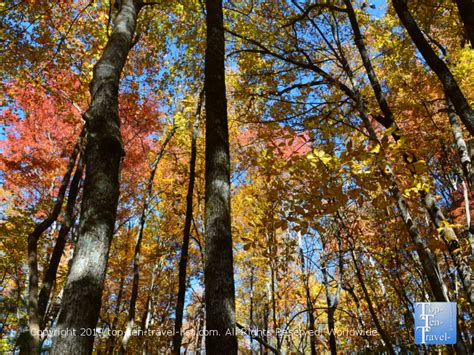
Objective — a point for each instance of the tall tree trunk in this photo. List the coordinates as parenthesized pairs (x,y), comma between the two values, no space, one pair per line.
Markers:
(218,273)
(138,244)
(109,348)
(436,64)
(309,302)
(34,312)
(104,151)
(466,12)
(388,121)
(372,310)
(183,261)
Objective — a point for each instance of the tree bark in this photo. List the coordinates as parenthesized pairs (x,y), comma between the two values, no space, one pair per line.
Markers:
(138,244)
(466,12)
(436,64)
(104,151)
(218,273)
(183,262)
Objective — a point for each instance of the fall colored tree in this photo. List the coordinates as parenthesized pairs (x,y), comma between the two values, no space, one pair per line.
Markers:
(255,177)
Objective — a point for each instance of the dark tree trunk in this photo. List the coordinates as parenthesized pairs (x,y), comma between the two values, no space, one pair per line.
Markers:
(66,225)
(466,12)
(218,273)
(104,151)
(34,314)
(183,261)
(138,244)
(436,64)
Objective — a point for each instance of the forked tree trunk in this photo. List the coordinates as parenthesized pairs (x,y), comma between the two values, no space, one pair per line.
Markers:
(34,312)
(104,151)
(66,225)
(218,271)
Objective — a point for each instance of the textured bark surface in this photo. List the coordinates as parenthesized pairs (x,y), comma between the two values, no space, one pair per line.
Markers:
(183,261)
(436,64)
(218,270)
(83,289)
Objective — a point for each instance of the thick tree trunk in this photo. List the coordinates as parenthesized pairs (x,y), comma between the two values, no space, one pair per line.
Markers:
(35,314)
(436,64)
(218,273)
(466,12)
(183,261)
(104,151)
(66,225)
(138,244)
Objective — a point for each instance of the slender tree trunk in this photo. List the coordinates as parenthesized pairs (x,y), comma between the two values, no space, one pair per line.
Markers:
(138,244)
(218,273)
(111,339)
(34,313)
(50,274)
(466,12)
(388,121)
(436,64)
(104,151)
(183,262)
(372,310)
(309,302)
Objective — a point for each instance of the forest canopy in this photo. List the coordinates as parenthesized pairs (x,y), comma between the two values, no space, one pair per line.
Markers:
(245,176)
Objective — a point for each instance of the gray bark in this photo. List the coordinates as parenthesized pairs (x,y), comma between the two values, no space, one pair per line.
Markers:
(104,151)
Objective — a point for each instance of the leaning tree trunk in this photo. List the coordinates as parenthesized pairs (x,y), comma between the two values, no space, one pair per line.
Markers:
(183,261)
(436,64)
(50,274)
(218,270)
(34,313)
(104,151)
(388,121)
